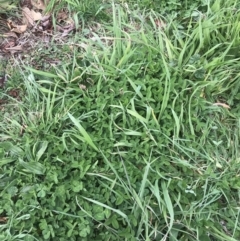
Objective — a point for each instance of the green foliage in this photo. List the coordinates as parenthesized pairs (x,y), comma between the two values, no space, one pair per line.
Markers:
(174,7)
(124,141)
(7,5)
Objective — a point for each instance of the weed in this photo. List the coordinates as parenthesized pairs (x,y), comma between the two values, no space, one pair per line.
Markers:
(136,137)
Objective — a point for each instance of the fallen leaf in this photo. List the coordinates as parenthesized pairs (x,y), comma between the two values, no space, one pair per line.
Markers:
(45,18)
(3,219)
(26,3)
(14,93)
(19,29)
(16,28)
(31,16)
(38,4)
(160,24)
(66,29)
(62,16)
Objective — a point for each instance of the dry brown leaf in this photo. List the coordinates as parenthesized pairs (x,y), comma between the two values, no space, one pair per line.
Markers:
(222,104)
(26,3)
(45,18)
(16,28)
(66,29)
(19,28)
(31,16)
(38,4)
(3,219)
(62,15)
(160,24)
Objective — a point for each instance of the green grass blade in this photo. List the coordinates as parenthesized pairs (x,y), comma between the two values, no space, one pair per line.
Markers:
(83,132)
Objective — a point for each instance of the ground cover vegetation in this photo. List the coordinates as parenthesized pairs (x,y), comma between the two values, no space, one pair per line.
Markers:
(133,134)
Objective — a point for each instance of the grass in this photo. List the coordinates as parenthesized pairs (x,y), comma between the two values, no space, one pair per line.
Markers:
(132,138)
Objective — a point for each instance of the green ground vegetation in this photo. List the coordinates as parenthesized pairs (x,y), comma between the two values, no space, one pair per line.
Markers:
(135,136)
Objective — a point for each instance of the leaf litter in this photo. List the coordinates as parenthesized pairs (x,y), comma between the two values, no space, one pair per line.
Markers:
(25,33)
(31,31)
